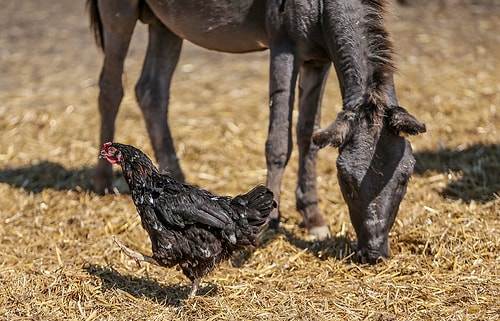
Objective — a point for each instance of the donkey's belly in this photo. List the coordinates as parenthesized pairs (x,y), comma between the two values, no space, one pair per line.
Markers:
(223,25)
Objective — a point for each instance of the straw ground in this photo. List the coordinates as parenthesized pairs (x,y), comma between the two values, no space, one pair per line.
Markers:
(57,258)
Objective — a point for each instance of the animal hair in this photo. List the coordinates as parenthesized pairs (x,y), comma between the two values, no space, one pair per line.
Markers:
(380,53)
(95,23)
(365,53)
(376,54)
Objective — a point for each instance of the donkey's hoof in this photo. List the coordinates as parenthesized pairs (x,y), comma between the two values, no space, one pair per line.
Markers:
(320,232)
(273,223)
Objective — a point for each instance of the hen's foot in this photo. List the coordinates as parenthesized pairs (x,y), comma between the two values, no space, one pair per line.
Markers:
(136,256)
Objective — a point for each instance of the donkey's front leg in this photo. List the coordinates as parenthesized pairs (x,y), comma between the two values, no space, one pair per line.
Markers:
(312,80)
(283,76)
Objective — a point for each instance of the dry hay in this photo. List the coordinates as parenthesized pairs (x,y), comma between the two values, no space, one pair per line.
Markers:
(57,257)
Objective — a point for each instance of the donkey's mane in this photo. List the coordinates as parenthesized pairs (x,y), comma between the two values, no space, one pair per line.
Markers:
(366,59)
(380,53)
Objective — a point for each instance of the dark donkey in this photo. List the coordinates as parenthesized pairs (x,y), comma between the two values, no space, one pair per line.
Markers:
(304,38)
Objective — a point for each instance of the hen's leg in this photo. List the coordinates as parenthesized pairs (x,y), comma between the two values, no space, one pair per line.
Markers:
(194,288)
(138,257)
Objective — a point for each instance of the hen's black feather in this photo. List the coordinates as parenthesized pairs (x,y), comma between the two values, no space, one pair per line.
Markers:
(187,225)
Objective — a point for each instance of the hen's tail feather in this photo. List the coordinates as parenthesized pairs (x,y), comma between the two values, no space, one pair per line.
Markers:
(260,202)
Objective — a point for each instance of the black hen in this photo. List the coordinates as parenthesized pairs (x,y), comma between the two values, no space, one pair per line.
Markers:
(187,225)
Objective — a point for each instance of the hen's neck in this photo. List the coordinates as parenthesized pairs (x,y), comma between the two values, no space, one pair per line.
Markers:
(138,175)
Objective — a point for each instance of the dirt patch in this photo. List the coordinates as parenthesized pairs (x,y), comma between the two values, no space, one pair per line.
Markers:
(57,257)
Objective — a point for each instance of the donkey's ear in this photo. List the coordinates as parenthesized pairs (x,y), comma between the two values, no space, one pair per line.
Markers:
(336,133)
(403,123)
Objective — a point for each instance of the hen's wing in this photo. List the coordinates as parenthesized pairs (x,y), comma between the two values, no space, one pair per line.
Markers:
(179,205)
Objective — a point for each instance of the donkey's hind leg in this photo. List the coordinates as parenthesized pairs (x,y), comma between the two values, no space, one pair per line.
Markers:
(153,92)
(118,19)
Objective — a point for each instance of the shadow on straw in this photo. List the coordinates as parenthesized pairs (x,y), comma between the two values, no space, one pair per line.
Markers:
(140,287)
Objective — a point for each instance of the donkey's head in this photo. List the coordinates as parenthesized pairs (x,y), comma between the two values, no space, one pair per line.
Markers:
(374,165)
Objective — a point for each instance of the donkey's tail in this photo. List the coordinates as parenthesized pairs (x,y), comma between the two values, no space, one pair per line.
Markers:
(95,22)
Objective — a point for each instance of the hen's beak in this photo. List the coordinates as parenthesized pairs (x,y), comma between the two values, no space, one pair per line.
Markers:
(102,154)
